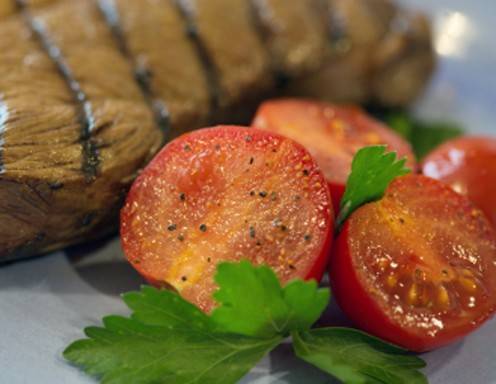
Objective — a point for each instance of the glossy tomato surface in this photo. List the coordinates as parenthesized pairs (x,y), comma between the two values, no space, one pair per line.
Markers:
(417,268)
(224,194)
(331,133)
(468,165)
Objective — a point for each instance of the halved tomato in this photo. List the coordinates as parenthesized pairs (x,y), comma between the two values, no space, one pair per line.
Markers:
(417,268)
(468,165)
(331,133)
(224,194)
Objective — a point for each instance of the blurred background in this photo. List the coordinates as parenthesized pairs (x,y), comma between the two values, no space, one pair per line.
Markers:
(464,85)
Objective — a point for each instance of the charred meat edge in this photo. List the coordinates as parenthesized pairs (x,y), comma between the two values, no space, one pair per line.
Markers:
(187,10)
(281,78)
(91,158)
(142,73)
(258,9)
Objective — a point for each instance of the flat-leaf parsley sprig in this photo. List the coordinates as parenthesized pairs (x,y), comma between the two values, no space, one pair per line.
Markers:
(372,170)
(168,340)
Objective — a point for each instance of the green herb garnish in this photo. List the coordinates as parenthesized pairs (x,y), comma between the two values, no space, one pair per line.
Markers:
(372,171)
(253,303)
(169,340)
(355,357)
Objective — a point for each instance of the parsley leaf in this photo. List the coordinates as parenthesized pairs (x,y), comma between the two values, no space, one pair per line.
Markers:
(372,171)
(424,136)
(126,351)
(355,357)
(165,308)
(253,302)
(169,340)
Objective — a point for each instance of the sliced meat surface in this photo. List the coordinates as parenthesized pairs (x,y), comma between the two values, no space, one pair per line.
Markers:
(7,8)
(380,53)
(74,130)
(157,44)
(295,34)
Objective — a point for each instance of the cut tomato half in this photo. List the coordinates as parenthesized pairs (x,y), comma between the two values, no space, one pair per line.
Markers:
(418,267)
(468,165)
(331,133)
(225,194)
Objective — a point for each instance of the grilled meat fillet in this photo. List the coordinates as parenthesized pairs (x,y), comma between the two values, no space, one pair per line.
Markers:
(91,89)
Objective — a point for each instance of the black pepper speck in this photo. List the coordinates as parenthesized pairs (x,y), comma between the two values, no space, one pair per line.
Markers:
(172,227)
(56,185)
(203,227)
(262,194)
(252,232)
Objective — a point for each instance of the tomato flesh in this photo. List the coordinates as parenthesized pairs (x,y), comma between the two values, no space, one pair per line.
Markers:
(331,133)
(225,194)
(468,165)
(418,267)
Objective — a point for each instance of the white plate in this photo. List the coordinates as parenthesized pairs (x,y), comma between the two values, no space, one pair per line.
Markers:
(45,302)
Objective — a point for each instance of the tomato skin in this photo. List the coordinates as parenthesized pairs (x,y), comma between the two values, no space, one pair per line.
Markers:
(331,133)
(171,168)
(364,304)
(337,192)
(356,303)
(468,165)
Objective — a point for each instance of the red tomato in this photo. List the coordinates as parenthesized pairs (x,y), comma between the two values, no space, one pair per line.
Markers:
(332,134)
(468,165)
(224,194)
(418,267)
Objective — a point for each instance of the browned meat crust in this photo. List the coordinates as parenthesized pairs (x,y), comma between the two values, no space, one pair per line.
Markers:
(382,54)
(90,89)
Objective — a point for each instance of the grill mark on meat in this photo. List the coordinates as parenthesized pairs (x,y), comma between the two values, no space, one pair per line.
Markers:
(187,11)
(337,30)
(4,116)
(141,71)
(259,13)
(91,159)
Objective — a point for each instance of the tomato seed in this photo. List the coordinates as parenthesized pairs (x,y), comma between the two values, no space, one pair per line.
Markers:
(443,297)
(468,284)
